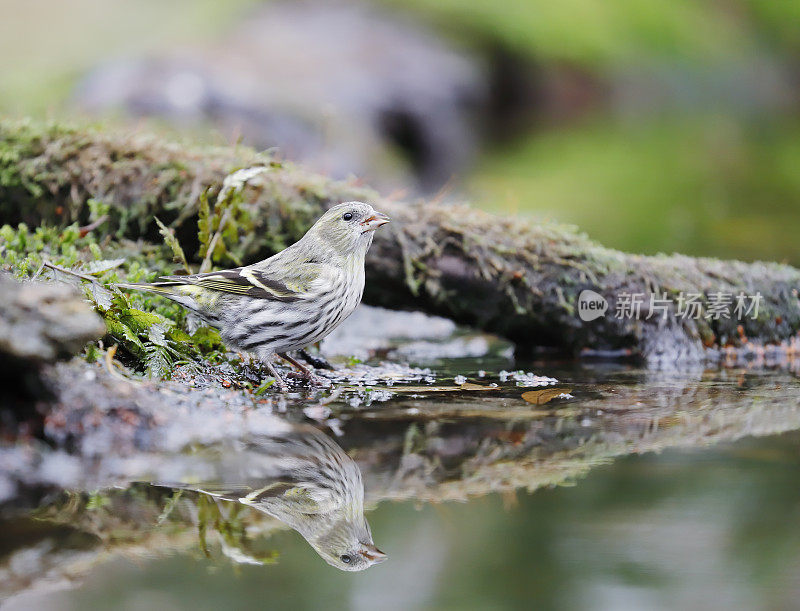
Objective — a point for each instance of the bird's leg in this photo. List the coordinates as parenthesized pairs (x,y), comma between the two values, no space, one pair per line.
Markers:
(279,381)
(305,371)
(317,361)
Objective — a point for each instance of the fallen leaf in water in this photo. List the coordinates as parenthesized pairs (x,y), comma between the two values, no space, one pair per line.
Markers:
(544,395)
(471,386)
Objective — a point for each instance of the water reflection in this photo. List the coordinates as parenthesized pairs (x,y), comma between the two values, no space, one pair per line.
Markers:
(243,475)
(304,479)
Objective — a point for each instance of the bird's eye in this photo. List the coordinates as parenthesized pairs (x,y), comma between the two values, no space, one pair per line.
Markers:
(347,216)
(344,557)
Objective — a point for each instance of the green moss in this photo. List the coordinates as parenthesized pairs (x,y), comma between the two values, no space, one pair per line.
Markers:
(150,330)
(54,177)
(58,174)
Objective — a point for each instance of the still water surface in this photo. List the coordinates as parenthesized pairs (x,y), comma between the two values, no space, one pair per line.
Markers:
(645,491)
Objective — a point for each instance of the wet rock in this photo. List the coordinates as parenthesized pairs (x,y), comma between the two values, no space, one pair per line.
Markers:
(40,323)
(342,88)
(409,337)
(370,330)
(43,322)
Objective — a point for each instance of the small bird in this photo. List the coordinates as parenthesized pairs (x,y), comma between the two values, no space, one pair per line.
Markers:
(304,479)
(291,300)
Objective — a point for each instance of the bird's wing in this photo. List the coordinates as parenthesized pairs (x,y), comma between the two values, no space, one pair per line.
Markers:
(287,286)
(296,495)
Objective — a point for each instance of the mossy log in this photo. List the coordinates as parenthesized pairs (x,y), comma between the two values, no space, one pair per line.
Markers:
(517,278)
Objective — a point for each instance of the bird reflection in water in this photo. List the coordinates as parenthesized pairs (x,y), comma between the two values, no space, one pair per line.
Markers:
(304,479)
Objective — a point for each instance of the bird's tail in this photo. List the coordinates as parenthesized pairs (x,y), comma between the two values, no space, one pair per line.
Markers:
(161,288)
(170,289)
(225,493)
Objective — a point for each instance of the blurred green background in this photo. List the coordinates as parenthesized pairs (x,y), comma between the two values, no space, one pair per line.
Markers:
(654,125)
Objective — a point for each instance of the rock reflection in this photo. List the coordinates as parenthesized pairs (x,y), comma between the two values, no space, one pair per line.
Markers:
(304,479)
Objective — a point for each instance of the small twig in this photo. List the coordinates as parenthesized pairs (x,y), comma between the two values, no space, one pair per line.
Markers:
(113,366)
(38,271)
(447,188)
(92,226)
(69,272)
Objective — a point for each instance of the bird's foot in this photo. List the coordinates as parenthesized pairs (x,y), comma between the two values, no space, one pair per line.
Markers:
(311,378)
(280,383)
(317,380)
(306,373)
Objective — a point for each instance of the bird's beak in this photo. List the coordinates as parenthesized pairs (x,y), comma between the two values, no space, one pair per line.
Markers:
(372,553)
(371,223)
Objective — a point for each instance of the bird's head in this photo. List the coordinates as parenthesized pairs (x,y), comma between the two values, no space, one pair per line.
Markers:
(348,228)
(348,545)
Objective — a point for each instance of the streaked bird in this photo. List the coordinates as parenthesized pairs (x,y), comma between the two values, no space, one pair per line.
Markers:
(291,300)
(304,479)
